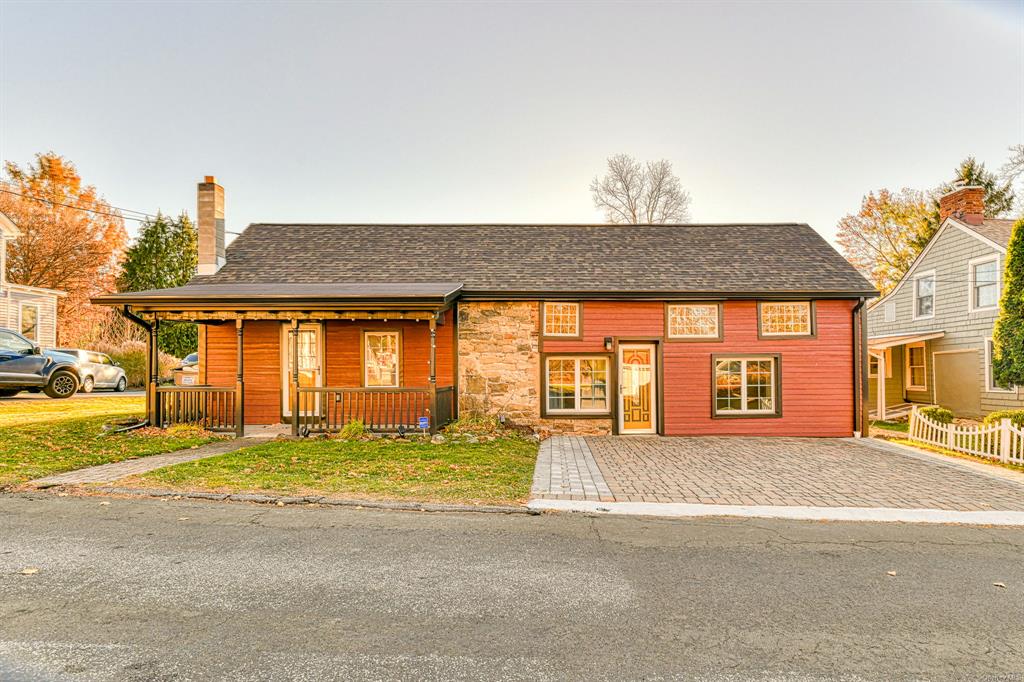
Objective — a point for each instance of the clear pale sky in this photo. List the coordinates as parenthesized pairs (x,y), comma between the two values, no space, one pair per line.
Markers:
(348,112)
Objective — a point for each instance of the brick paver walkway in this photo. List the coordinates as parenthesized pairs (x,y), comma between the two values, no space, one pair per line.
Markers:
(780,472)
(106,473)
(566,470)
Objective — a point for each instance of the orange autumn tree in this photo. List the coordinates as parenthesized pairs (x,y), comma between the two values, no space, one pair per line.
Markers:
(881,238)
(71,240)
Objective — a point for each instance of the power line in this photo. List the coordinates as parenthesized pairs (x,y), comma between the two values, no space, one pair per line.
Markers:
(146,216)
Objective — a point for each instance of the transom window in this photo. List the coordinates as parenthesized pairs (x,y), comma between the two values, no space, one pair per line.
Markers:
(745,386)
(380,359)
(917,371)
(561,319)
(924,295)
(985,284)
(693,321)
(30,321)
(576,384)
(786,319)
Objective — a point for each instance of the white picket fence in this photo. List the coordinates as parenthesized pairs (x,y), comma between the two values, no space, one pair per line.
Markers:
(1003,441)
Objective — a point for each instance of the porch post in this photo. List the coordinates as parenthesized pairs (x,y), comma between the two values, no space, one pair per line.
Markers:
(295,377)
(153,365)
(880,385)
(239,382)
(433,373)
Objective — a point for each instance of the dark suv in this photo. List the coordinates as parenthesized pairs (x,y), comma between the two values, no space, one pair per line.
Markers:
(24,367)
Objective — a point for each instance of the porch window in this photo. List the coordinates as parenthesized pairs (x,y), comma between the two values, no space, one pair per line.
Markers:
(917,375)
(693,321)
(746,386)
(576,384)
(786,319)
(990,380)
(561,319)
(924,295)
(380,359)
(873,364)
(984,284)
(30,321)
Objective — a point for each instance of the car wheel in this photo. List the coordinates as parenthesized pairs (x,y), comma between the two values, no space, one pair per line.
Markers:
(122,385)
(88,384)
(63,384)
(8,392)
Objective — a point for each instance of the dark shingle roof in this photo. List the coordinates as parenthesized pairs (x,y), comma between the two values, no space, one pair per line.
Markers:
(993,229)
(497,259)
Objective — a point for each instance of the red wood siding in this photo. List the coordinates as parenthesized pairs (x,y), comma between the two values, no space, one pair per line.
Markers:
(261,364)
(817,373)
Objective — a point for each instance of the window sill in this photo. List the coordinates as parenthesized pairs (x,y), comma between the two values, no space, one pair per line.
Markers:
(748,415)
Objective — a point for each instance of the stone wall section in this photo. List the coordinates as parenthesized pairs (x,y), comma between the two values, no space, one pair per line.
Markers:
(499,367)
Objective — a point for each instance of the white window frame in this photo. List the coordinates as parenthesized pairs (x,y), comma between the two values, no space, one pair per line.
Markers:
(887,352)
(972,282)
(990,385)
(776,383)
(761,326)
(544,319)
(577,359)
(906,365)
(21,309)
(935,291)
(398,357)
(717,334)
(890,311)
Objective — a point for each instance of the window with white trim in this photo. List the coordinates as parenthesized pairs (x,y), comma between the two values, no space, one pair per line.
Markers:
(576,384)
(561,319)
(984,284)
(29,321)
(873,364)
(745,386)
(924,295)
(917,367)
(786,319)
(380,359)
(693,321)
(990,380)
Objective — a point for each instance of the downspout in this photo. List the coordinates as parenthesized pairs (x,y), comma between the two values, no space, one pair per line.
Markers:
(148,327)
(859,390)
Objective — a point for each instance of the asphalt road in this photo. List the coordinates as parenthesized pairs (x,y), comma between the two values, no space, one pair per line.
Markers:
(176,590)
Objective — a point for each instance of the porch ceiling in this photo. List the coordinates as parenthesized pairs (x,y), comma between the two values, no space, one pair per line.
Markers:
(883,342)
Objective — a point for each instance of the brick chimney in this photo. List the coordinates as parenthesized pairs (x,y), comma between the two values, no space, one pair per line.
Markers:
(210,212)
(966,203)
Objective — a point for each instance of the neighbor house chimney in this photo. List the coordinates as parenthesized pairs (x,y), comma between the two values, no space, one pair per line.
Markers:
(966,203)
(210,210)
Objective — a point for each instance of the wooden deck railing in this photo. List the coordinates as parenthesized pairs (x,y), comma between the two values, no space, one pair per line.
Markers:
(212,407)
(383,410)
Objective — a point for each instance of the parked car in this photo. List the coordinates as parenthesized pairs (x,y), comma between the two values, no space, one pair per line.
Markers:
(25,367)
(187,373)
(97,370)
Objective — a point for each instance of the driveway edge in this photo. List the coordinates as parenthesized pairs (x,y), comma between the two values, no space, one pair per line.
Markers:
(990,470)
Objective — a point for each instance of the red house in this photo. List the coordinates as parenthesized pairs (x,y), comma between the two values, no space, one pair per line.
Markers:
(625,329)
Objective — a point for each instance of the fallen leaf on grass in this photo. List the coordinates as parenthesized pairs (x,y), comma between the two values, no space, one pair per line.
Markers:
(104,504)
(183,518)
(999,584)
(890,572)
(29,571)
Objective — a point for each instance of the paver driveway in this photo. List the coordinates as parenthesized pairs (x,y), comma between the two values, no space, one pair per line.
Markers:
(814,472)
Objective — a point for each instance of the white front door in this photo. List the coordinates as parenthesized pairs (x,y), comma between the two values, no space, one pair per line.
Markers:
(310,361)
(638,391)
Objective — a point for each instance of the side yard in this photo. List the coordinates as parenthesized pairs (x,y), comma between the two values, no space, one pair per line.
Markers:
(43,437)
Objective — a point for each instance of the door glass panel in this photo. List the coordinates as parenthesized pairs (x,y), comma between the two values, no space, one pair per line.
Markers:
(308,362)
(636,389)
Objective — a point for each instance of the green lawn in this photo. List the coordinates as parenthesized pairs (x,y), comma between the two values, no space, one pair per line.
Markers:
(891,426)
(499,471)
(42,437)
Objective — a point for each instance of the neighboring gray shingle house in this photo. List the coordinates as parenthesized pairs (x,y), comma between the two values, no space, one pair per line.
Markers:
(931,335)
(32,311)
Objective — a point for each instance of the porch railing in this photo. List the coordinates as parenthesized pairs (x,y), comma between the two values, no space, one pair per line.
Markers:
(384,410)
(212,407)
(1003,442)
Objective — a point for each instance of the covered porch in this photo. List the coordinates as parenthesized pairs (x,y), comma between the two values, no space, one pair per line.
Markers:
(315,357)
(900,373)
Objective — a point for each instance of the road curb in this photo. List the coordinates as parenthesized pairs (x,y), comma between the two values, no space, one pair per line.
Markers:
(285,500)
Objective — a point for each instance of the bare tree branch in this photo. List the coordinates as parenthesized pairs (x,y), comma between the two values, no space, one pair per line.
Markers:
(633,193)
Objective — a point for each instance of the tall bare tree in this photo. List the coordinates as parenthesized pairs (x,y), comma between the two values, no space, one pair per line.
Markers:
(640,193)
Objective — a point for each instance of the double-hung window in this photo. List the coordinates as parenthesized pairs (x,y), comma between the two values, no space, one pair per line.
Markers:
(576,385)
(381,359)
(924,295)
(693,320)
(990,380)
(984,283)
(561,319)
(917,370)
(789,318)
(746,386)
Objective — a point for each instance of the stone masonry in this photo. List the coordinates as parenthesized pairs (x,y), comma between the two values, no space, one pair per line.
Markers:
(499,367)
